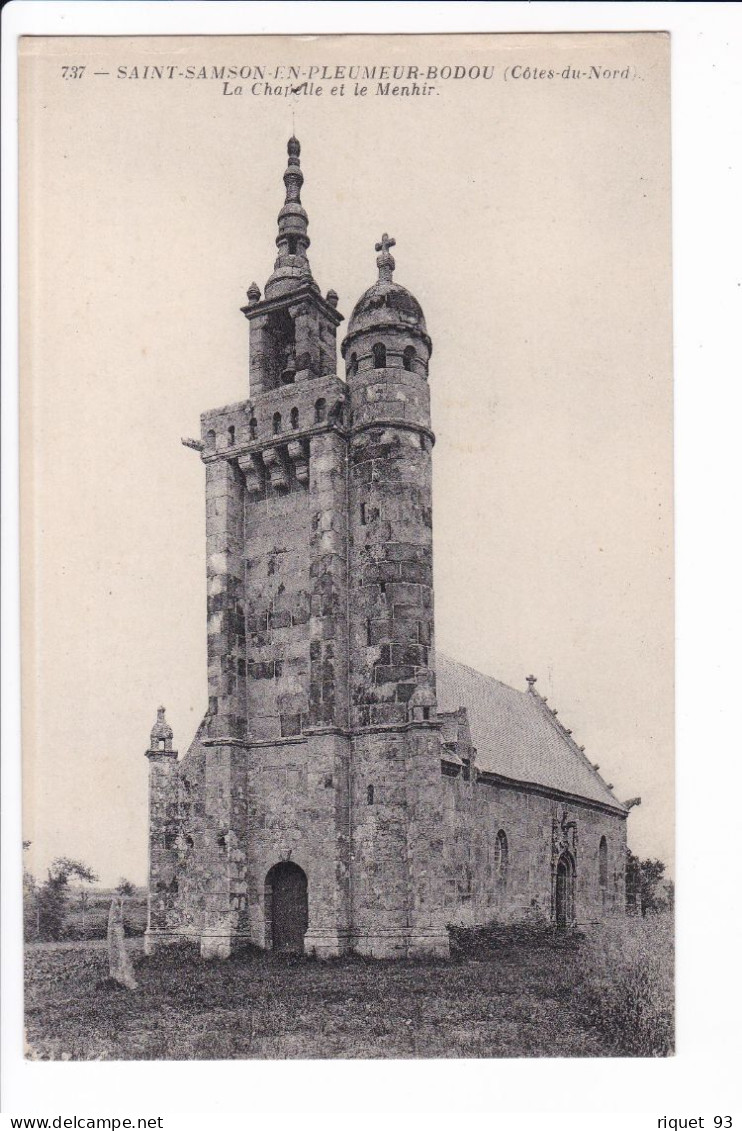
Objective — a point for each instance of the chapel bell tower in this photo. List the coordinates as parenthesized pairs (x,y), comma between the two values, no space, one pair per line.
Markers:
(292,330)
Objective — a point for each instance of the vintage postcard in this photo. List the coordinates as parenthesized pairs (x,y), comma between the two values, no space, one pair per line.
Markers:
(347,546)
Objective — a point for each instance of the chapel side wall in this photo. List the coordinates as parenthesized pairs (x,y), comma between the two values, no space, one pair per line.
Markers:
(475,811)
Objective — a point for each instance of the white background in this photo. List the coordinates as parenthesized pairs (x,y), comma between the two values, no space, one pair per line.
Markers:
(702,1080)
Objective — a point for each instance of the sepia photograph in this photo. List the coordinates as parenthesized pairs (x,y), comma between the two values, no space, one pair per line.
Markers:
(347,547)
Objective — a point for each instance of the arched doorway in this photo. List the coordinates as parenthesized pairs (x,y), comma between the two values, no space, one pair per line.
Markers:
(564,901)
(286,907)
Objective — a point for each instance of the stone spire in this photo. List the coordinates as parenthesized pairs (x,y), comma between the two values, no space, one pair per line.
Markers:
(385,261)
(291,268)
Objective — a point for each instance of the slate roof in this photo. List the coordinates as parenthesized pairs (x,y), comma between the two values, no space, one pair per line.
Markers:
(515,734)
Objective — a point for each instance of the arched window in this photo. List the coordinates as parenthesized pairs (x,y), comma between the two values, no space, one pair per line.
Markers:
(253,426)
(379,352)
(603,869)
(370,795)
(230,434)
(320,410)
(295,418)
(501,862)
(276,423)
(352,365)
(210,439)
(292,245)
(408,357)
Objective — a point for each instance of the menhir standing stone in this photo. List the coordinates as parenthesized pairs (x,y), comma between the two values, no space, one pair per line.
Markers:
(119,963)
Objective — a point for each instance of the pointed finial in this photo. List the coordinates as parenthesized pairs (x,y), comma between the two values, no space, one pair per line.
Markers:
(161,735)
(294,150)
(531,681)
(253,293)
(385,261)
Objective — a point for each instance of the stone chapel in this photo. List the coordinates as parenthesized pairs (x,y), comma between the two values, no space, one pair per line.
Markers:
(349,788)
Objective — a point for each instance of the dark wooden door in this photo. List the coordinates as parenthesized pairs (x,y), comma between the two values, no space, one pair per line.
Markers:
(290,911)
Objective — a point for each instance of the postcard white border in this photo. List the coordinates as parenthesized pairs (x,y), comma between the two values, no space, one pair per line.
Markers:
(707,189)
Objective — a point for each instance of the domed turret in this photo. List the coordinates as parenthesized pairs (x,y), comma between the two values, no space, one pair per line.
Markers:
(386,353)
(387,327)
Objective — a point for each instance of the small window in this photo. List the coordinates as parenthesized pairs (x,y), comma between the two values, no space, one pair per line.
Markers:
(292,245)
(276,423)
(189,842)
(501,861)
(294,418)
(353,365)
(230,434)
(211,439)
(603,868)
(426,713)
(408,357)
(320,411)
(364,515)
(370,795)
(379,352)
(253,426)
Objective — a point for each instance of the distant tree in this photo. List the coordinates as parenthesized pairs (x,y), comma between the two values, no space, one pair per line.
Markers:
(125,887)
(646,889)
(53,894)
(30,900)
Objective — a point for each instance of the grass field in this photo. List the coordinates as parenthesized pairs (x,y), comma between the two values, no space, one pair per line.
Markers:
(504,993)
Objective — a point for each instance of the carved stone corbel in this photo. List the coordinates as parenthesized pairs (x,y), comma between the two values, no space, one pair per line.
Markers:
(253,472)
(274,462)
(298,454)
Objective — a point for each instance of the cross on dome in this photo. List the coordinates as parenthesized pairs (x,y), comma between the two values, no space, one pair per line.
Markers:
(385,261)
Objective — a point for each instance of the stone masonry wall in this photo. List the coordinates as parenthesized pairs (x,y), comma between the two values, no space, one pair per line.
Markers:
(298,811)
(479,889)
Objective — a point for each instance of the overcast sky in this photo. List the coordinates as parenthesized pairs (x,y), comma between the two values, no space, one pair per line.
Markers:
(532,223)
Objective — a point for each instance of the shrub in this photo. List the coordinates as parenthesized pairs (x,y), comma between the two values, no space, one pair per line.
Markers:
(626,987)
(484,941)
